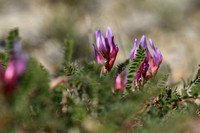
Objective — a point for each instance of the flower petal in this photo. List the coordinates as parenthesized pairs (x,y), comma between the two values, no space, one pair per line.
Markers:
(17,48)
(108,49)
(134,50)
(157,56)
(21,64)
(98,59)
(153,48)
(119,82)
(109,35)
(143,42)
(112,45)
(10,72)
(100,41)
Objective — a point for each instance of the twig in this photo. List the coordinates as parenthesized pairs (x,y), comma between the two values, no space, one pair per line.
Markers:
(182,102)
(57,82)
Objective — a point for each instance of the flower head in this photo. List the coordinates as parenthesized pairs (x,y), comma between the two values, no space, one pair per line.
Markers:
(106,48)
(16,66)
(154,61)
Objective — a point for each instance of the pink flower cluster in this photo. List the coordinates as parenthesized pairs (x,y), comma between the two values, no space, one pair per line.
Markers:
(15,68)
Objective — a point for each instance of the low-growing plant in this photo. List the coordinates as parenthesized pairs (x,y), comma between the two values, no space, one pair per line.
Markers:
(134,96)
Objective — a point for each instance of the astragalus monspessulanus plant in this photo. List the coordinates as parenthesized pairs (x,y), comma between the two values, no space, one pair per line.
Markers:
(133,96)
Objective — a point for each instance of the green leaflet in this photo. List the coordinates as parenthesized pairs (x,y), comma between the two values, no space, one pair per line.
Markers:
(197,82)
(140,56)
(121,67)
(4,57)
(163,80)
(68,50)
(195,90)
(12,37)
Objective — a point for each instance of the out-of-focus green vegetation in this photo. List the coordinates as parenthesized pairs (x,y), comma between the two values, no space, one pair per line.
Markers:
(85,100)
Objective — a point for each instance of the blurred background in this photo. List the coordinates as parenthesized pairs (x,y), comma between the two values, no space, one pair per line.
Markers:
(173,25)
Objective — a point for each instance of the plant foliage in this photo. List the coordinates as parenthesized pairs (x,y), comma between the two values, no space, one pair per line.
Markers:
(83,99)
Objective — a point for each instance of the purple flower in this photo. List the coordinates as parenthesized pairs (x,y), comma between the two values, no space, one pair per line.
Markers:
(16,66)
(154,61)
(106,48)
